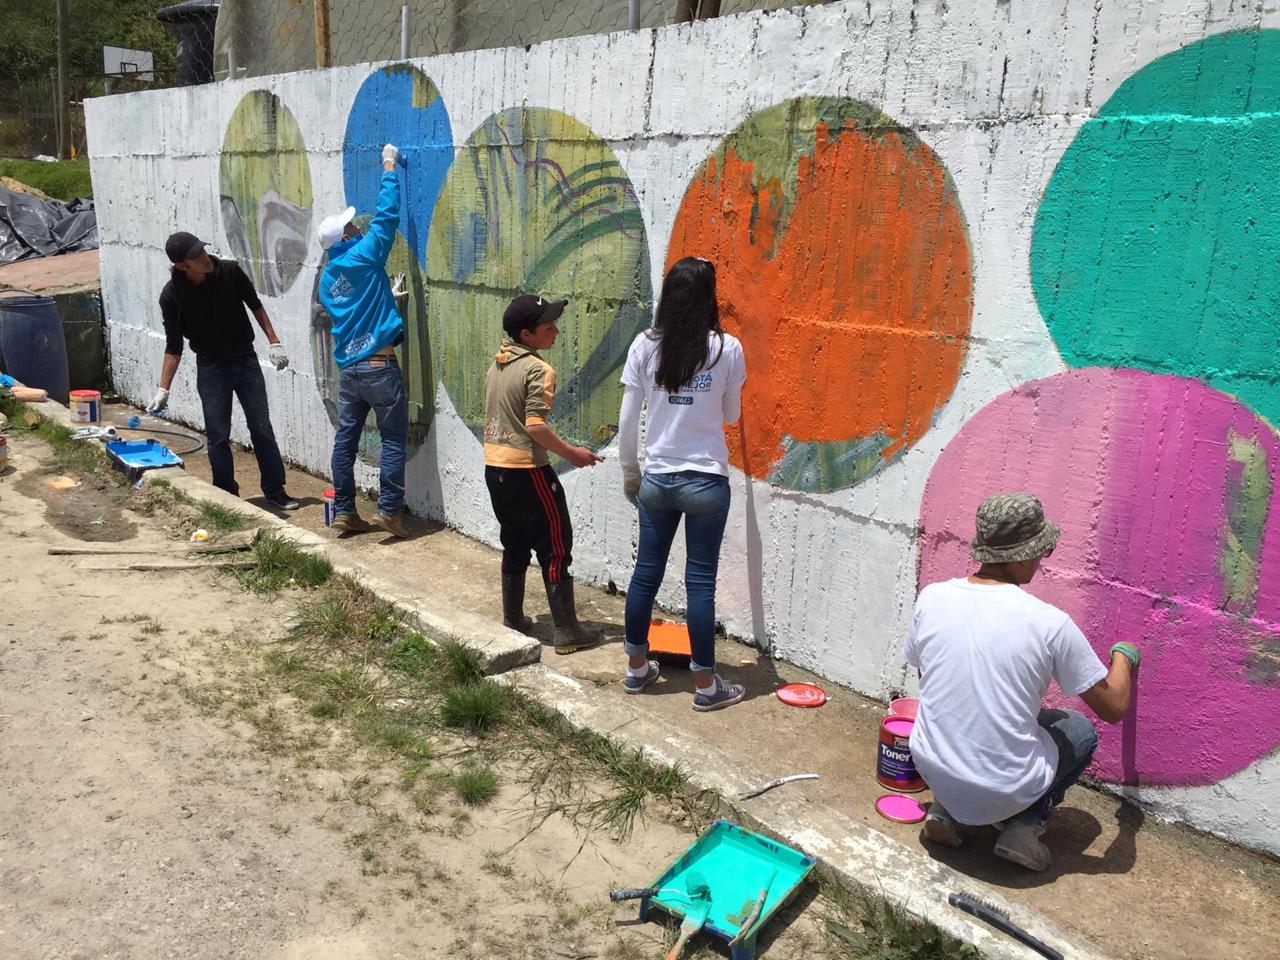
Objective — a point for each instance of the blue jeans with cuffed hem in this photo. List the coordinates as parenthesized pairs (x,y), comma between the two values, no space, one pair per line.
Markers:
(1076,740)
(217,381)
(365,386)
(702,499)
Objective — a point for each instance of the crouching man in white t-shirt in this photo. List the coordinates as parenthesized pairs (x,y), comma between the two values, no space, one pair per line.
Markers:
(986,650)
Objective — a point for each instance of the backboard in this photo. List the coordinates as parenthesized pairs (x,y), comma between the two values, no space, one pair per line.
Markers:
(123,62)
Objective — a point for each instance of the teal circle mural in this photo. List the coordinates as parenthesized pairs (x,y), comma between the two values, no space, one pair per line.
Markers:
(1154,246)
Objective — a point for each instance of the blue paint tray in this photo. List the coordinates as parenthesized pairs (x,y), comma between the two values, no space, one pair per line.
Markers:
(136,456)
(736,864)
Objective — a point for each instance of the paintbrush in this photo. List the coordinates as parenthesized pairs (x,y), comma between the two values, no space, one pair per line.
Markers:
(754,915)
(696,915)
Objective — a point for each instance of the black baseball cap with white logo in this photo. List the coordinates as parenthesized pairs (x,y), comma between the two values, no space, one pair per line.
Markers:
(183,246)
(528,310)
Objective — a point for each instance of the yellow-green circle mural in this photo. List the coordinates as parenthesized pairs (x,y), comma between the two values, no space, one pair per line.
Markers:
(265,182)
(535,202)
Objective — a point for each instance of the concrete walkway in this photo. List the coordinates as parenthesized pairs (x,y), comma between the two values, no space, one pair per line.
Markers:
(1123,885)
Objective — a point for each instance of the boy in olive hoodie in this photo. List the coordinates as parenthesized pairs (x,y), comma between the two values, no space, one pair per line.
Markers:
(526,494)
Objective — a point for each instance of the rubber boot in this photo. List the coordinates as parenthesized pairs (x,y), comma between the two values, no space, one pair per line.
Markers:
(513,602)
(570,636)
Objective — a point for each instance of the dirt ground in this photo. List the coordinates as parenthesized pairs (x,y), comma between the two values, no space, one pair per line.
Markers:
(160,801)
(1113,879)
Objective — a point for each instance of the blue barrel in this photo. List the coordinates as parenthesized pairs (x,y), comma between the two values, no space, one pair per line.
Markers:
(33,348)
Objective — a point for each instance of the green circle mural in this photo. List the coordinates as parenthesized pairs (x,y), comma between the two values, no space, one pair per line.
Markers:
(1154,243)
(536,202)
(265,183)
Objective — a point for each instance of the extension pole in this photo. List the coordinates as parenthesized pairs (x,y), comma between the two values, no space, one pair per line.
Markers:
(633,19)
(63,116)
(322,33)
(404,32)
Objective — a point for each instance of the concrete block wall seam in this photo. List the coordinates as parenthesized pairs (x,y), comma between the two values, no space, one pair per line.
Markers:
(822,551)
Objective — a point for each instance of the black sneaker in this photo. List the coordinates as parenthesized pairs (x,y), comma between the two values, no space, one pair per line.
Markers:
(282,500)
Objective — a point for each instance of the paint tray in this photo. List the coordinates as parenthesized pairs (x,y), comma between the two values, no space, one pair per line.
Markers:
(669,643)
(736,864)
(135,456)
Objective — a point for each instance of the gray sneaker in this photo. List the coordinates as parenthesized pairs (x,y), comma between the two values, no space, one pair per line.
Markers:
(632,684)
(940,828)
(1020,843)
(725,695)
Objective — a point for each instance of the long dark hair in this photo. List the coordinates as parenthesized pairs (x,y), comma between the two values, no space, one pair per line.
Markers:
(687,313)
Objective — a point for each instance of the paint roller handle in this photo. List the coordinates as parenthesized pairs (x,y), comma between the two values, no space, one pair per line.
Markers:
(1130,650)
(632,893)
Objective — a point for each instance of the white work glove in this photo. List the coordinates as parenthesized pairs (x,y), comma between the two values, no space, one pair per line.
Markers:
(158,402)
(397,288)
(631,486)
(390,154)
(279,359)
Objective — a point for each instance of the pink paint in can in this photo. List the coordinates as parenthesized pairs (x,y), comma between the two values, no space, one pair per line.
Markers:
(894,766)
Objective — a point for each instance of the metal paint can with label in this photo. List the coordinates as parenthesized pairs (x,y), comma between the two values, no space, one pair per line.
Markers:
(85,405)
(894,766)
(329,494)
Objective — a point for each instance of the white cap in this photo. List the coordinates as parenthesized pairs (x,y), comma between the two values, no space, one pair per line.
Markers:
(330,229)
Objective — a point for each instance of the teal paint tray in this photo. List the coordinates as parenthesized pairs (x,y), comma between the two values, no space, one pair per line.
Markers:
(736,864)
(135,456)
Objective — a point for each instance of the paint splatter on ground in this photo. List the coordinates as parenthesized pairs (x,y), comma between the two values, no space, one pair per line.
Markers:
(843,266)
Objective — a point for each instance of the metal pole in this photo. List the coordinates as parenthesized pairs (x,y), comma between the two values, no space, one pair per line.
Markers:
(64,119)
(404,32)
(322,33)
(231,62)
(634,14)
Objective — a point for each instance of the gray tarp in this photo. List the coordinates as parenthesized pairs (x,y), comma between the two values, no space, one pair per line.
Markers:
(31,227)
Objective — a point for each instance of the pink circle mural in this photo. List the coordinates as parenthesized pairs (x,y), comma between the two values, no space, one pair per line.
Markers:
(1166,492)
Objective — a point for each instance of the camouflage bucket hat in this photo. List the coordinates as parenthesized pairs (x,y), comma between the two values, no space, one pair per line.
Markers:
(1011,527)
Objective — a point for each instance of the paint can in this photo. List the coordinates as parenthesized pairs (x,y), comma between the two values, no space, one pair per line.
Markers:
(328,506)
(894,767)
(85,405)
(905,707)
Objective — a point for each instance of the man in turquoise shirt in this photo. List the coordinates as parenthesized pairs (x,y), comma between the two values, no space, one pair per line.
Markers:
(367,326)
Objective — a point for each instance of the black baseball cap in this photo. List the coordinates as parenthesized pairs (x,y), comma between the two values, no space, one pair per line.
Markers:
(183,246)
(528,310)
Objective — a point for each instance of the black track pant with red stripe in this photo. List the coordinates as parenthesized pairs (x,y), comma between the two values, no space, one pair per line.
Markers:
(533,515)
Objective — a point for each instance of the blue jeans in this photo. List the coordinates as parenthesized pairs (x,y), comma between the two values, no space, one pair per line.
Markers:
(216,382)
(365,386)
(703,500)
(1076,740)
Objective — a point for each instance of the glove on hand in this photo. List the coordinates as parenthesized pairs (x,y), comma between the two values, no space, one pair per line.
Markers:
(279,359)
(390,153)
(397,288)
(158,402)
(1130,650)
(631,490)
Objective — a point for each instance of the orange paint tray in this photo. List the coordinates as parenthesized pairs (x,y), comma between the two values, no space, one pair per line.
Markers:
(669,643)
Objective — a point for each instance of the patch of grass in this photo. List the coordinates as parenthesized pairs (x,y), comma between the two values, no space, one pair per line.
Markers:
(860,927)
(457,664)
(475,707)
(475,785)
(217,518)
(493,863)
(412,654)
(383,731)
(62,179)
(280,563)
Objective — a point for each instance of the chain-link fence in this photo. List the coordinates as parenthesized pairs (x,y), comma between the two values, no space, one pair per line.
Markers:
(255,37)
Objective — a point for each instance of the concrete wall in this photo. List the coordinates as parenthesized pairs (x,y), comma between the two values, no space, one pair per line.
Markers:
(1039,235)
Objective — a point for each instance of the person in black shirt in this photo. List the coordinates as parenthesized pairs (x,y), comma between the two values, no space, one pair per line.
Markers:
(204,301)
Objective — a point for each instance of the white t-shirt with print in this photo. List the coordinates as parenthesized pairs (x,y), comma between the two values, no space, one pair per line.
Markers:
(685,430)
(986,653)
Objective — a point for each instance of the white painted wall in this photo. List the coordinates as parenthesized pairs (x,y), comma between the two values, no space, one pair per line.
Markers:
(996,89)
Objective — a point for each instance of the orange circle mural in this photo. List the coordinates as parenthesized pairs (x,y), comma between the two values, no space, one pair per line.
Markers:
(842,264)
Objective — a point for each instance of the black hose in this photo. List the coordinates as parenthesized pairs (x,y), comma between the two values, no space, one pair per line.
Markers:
(170,433)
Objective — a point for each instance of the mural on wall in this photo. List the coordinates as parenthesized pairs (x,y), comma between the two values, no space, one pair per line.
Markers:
(842,264)
(536,202)
(264,178)
(399,105)
(1166,493)
(1154,243)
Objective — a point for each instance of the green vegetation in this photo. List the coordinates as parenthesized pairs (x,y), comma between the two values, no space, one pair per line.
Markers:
(861,927)
(282,563)
(62,180)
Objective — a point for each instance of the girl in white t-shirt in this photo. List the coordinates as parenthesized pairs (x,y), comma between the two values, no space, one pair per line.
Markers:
(688,374)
